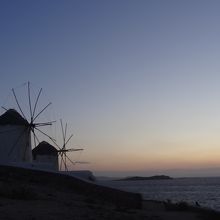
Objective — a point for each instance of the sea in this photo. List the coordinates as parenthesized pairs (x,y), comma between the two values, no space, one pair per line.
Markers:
(205,191)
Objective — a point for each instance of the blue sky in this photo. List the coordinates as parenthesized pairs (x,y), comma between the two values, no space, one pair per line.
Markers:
(138,81)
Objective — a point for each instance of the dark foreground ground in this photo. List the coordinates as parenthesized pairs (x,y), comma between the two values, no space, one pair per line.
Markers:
(30,195)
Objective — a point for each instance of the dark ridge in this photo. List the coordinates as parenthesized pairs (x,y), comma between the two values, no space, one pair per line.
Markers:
(136,178)
(62,182)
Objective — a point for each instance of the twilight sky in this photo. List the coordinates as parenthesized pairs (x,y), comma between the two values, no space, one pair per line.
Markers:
(137,81)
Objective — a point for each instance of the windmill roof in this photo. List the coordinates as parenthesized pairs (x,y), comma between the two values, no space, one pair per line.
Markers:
(12,117)
(44,148)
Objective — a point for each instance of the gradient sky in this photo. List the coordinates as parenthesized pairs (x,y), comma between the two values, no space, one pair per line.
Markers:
(137,81)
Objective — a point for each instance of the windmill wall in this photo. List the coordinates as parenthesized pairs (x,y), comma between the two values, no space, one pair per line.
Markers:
(49,162)
(46,155)
(15,144)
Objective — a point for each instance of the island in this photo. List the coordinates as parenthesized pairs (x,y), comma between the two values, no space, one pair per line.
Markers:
(136,178)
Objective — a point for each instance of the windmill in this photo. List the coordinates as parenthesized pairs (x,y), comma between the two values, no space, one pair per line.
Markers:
(17,129)
(62,151)
(57,157)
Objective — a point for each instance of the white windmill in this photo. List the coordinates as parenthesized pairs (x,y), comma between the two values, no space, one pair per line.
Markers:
(17,130)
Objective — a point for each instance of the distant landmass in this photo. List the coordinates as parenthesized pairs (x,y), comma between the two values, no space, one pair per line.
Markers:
(136,178)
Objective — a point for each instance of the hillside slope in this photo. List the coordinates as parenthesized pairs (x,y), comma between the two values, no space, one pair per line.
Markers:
(37,195)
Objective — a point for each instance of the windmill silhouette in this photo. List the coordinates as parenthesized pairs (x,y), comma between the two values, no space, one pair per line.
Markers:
(24,132)
(63,150)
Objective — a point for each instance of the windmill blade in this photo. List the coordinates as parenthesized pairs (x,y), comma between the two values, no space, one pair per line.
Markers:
(42,111)
(15,143)
(52,139)
(29,100)
(82,162)
(71,149)
(65,131)
(69,139)
(70,160)
(18,104)
(4,108)
(35,105)
(40,124)
(62,133)
(63,161)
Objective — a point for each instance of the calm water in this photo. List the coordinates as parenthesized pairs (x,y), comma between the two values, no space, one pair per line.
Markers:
(206,191)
